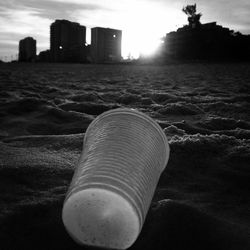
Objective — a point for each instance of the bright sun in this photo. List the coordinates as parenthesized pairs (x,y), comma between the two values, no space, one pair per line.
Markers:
(135,44)
(143,24)
(143,29)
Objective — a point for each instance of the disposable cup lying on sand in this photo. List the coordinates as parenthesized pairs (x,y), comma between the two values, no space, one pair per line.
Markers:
(124,154)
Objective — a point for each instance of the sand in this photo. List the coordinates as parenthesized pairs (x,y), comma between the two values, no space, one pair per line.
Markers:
(202,199)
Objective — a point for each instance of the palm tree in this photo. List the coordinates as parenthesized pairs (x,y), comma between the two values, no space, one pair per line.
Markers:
(193,18)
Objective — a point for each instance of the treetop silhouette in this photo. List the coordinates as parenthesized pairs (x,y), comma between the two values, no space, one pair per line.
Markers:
(193,17)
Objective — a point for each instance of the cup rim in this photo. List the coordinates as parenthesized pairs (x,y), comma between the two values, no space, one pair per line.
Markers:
(137,113)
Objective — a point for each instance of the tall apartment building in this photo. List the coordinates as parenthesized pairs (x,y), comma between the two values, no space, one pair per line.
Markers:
(27,50)
(67,41)
(105,45)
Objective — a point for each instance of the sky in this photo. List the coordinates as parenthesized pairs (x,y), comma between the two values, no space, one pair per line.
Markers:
(143,22)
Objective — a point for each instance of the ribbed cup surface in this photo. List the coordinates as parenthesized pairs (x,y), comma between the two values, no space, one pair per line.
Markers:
(125,152)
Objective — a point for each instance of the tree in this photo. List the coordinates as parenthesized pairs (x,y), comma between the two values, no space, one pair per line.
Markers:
(193,18)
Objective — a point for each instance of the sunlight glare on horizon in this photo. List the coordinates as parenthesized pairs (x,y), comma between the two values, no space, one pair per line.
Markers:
(143,28)
(143,23)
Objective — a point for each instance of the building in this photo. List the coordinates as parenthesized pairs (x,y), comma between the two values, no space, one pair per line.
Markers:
(207,41)
(67,41)
(105,45)
(27,50)
(44,56)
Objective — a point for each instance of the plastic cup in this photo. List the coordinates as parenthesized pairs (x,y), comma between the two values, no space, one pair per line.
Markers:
(124,154)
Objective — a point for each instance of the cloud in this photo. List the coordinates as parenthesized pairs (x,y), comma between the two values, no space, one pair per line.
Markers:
(231,14)
(51,9)
(22,21)
(20,18)
(31,14)
(57,9)
(15,24)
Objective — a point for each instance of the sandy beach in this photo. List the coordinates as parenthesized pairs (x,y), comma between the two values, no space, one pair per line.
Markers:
(202,200)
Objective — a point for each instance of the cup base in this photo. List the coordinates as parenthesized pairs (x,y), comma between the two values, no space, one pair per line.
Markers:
(101,218)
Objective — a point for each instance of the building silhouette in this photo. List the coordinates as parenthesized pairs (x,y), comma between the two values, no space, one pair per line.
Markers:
(105,45)
(44,56)
(27,50)
(207,41)
(67,41)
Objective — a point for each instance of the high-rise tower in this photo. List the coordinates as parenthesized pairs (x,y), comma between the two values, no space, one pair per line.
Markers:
(105,45)
(27,50)
(67,41)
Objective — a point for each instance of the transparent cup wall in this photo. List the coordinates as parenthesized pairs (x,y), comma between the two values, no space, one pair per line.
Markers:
(124,154)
